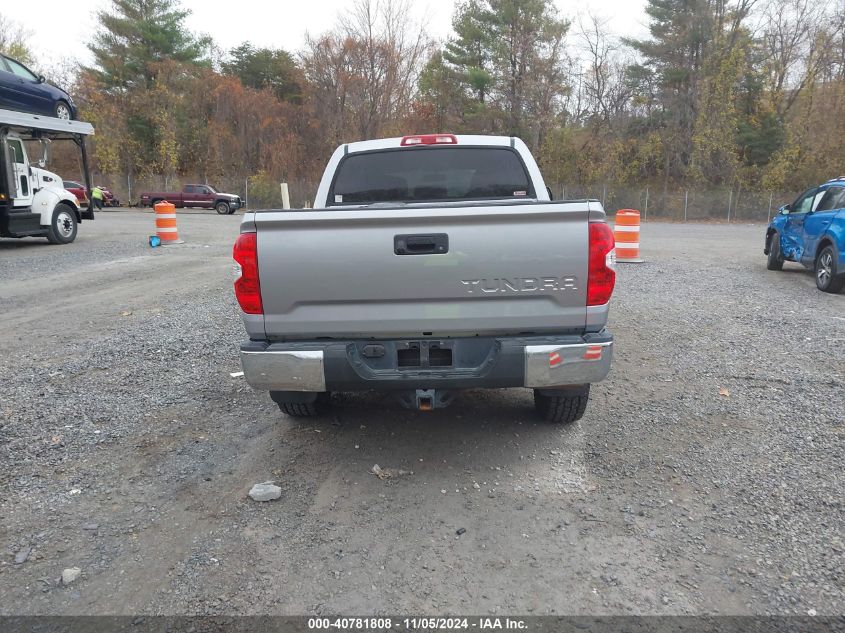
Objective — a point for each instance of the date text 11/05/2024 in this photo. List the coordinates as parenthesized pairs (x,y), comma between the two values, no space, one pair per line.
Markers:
(417,624)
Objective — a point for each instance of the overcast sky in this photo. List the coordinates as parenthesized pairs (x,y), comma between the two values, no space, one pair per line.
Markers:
(61,28)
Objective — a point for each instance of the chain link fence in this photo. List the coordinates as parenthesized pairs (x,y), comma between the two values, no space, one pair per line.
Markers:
(258,192)
(681,205)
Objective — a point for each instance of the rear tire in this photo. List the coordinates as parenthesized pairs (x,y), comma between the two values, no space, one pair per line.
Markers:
(223,208)
(301,404)
(63,225)
(564,406)
(828,278)
(62,111)
(775,259)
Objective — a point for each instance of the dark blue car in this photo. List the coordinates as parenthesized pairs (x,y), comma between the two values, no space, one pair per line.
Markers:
(811,231)
(21,89)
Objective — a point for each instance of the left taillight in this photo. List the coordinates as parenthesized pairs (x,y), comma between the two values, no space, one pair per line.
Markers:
(247,286)
(601,274)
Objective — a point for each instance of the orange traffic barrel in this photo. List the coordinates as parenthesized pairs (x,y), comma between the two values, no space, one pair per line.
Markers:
(627,236)
(166,223)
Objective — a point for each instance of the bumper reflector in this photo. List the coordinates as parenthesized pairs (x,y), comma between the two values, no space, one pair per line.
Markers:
(593,352)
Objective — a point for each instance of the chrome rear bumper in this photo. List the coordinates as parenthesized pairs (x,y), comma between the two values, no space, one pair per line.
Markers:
(557,365)
(299,370)
(535,362)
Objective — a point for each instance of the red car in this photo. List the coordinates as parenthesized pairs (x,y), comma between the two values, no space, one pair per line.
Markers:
(78,190)
(108,198)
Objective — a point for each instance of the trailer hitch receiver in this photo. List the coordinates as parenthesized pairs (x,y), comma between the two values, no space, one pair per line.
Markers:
(425,399)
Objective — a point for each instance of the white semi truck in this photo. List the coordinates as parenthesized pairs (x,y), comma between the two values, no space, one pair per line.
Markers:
(33,201)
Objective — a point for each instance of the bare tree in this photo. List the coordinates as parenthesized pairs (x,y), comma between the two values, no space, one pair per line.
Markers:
(795,36)
(546,80)
(13,40)
(365,71)
(607,92)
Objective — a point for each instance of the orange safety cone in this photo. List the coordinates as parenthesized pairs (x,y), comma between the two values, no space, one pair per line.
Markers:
(627,235)
(166,223)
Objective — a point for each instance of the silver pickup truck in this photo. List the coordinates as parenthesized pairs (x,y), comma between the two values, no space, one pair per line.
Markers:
(429,264)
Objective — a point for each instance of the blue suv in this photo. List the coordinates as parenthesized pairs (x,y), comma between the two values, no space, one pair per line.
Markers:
(22,89)
(811,231)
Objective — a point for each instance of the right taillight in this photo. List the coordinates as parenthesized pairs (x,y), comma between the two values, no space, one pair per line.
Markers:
(247,287)
(602,276)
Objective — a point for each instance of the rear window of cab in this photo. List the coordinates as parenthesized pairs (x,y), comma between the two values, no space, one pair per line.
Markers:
(430,174)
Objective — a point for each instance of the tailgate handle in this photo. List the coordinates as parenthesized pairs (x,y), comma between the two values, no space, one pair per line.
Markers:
(421,244)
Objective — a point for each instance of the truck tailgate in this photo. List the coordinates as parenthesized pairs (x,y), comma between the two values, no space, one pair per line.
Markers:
(496,269)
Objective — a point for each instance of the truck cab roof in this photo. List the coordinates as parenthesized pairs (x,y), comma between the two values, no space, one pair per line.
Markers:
(411,178)
(458,140)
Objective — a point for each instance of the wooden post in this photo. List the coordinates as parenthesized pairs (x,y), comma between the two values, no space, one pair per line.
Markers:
(285,196)
(730,200)
(686,198)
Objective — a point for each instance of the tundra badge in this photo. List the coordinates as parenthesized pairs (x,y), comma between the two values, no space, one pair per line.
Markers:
(519,284)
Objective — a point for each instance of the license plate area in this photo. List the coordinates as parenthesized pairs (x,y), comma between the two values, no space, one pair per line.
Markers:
(422,354)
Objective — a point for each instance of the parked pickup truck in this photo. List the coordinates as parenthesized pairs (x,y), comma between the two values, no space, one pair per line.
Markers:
(198,196)
(428,264)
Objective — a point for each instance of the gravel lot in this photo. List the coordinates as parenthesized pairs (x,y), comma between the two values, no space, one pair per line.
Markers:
(706,477)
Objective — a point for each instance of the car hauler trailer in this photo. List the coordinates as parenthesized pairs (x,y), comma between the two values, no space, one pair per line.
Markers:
(33,201)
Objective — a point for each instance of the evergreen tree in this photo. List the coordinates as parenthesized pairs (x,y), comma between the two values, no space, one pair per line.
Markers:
(470,51)
(440,90)
(508,53)
(134,35)
(266,68)
(527,51)
(676,53)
